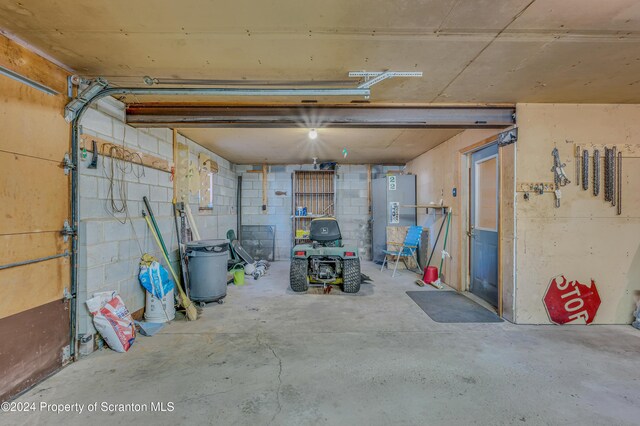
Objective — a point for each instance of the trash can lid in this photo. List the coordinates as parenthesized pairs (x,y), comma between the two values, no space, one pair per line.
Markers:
(217,246)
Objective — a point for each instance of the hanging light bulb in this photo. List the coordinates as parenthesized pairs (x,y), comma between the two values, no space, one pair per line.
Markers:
(313,134)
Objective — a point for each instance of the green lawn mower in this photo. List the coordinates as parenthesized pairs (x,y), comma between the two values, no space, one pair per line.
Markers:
(325,261)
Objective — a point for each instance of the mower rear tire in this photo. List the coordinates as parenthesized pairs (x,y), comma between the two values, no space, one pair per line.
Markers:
(352,277)
(298,278)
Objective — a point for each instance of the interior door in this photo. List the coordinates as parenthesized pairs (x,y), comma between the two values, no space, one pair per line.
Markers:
(34,256)
(484,224)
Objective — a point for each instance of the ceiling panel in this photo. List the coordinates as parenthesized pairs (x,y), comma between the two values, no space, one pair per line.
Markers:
(556,71)
(293,146)
(572,16)
(469,51)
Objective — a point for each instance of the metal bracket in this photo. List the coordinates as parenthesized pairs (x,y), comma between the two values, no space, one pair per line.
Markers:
(67,231)
(66,295)
(67,164)
(91,91)
(508,137)
(66,354)
(371,78)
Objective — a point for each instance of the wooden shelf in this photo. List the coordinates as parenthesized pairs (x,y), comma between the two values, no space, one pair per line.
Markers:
(426,206)
(314,193)
(314,190)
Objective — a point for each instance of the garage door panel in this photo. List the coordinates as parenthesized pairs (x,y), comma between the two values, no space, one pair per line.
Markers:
(35,202)
(30,354)
(24,247)
(28,286)
(34,194)
(22,133)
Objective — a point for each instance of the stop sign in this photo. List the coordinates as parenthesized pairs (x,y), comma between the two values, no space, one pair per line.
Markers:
(568,301)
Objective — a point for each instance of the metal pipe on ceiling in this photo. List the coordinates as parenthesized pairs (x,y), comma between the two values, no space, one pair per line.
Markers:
(273,83)
(74,107)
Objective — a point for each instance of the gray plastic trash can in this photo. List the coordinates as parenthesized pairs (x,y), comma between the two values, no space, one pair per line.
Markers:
(207,266)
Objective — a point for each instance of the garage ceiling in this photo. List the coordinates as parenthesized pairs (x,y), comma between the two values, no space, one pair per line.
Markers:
(293,146)
(480,51)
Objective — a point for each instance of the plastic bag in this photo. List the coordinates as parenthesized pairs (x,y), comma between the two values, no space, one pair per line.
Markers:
(154,277)
(112,320)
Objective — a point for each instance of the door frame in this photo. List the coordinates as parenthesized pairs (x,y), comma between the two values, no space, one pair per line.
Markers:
(474,206)
(464,179)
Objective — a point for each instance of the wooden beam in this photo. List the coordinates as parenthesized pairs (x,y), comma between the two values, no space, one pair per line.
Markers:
(369,180)
(147,160)
(343,116)
(173,169)
(264,188)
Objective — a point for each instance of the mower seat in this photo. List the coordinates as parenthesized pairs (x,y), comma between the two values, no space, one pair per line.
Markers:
(324,230)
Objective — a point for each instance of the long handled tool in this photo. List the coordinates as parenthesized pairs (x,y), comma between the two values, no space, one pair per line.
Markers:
(444,248)
(181,246)
(192,312)
(435,244)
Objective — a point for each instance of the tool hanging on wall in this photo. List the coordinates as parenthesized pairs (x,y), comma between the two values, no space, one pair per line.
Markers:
(585,169)
(596,172)
(613,175)
(578,165)
(94,156)
(559,176)
(607,174)
(619,180)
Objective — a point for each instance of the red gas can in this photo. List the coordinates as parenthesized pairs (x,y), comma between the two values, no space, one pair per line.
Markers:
(430,274)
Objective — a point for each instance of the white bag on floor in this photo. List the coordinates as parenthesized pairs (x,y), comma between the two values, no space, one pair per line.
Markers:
(112,320)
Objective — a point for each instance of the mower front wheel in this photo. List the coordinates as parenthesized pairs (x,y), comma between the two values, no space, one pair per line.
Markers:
(298,278)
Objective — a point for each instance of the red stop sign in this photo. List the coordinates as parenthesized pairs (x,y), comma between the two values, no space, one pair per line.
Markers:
(569,301)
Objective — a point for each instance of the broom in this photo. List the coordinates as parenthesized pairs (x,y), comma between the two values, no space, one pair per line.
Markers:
(438,282)
(187,304)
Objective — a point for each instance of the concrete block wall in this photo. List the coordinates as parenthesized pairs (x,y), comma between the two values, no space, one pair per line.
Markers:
(111,244)
(352,208)
(278,211)
(216,222)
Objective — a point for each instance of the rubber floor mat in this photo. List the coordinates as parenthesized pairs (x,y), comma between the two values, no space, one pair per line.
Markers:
(450,306)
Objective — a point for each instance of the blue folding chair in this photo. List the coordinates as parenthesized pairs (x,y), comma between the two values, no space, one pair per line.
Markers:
(408,248)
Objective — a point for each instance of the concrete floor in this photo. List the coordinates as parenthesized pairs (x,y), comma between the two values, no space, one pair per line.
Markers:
(270,356)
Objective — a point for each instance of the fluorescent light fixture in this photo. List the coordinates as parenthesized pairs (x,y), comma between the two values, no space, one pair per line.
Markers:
(24,80)
(313,134)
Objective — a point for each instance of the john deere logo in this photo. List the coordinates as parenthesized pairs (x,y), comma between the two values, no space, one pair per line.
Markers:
(324,230)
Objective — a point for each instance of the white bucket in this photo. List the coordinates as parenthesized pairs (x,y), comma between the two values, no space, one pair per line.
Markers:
(159,310)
